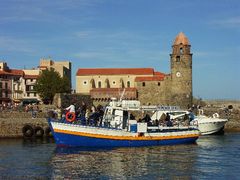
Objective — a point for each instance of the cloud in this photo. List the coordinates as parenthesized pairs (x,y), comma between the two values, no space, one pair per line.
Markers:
(231,22)
(14,44)
(47,11)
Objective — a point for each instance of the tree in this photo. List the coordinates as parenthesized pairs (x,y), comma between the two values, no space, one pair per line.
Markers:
(49,83)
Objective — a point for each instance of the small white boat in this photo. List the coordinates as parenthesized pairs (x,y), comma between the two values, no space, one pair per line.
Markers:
(209,125)
(206,125)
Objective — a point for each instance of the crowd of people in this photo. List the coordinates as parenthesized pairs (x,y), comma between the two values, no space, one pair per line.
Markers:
(82,114)
(32,108)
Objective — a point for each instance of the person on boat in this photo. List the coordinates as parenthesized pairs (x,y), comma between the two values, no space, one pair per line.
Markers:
(70,109)
(132,117)
(168,121)
(100,111)
(147,119)
(83,109)
(94,116)
(191,116)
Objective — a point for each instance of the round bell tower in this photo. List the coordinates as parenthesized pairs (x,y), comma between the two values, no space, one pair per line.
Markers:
(181,71)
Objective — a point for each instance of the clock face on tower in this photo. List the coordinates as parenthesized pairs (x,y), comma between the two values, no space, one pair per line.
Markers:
(178,74)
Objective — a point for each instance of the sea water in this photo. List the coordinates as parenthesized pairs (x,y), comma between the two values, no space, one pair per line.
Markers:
(212,157)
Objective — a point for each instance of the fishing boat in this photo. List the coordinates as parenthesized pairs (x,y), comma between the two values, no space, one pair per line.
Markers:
(124,124)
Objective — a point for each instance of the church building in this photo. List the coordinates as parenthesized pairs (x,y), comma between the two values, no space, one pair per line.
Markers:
(144,84)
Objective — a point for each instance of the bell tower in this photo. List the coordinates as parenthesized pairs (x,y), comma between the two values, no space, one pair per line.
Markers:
(181,72)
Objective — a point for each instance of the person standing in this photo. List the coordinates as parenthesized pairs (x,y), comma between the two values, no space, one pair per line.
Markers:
(71,108)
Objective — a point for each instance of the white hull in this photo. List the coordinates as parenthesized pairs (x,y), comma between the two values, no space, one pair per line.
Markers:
(207,125)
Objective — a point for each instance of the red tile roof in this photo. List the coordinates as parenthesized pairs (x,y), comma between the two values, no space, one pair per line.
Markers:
(153,78)
(31,76)
(159,73)
(12,72)
(17,72)
(5,73)
(112,89)
(115,71)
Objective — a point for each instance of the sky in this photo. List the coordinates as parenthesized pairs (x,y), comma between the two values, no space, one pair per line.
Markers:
(127,34)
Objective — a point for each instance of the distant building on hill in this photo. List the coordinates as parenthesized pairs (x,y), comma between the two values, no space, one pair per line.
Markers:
(144,84)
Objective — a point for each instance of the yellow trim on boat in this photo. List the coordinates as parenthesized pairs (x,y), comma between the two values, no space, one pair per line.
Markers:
(125,137)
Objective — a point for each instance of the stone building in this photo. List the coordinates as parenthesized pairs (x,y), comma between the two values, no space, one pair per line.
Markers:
(64,68)
(144,84)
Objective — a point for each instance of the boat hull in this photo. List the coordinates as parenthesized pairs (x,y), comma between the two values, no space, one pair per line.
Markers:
(211,128)
(82,136)
(84,141)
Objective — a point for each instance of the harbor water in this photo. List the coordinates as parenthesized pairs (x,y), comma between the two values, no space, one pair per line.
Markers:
(212,157)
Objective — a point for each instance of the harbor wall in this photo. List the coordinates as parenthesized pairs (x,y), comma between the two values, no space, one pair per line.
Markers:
(12,122)
(12,127)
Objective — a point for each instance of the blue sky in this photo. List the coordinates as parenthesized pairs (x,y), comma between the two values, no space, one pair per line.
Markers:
(127,33)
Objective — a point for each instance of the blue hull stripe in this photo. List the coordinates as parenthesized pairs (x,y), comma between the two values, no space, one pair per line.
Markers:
(63,139)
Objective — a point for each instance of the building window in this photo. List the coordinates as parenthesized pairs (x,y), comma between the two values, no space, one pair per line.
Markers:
(6,94)
(143,84)
(28,94)
(35,94)
(159,83)
(181,51)
(84,82)
(99,84)
(6,85)
(114,82)
(128,84)
(178,59)
(0,85)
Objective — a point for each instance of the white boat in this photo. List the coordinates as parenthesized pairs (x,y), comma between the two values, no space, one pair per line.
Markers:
(209,125)
(206,125)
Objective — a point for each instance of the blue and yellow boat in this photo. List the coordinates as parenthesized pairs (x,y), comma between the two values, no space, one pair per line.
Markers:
(119,128)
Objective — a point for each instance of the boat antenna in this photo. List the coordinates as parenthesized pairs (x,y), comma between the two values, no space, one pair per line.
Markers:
(121,97)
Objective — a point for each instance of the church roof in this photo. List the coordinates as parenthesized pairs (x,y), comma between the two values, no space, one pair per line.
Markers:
(181,39)
(115,71)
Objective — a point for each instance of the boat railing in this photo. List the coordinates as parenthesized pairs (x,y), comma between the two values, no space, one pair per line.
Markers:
(161,108)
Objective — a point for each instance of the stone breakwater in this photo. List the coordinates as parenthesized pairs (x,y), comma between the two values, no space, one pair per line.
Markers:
(232,115)
(12,123)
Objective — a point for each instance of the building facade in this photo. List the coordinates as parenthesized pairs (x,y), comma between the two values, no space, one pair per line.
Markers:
(64,68)
(18,85)
(144,84)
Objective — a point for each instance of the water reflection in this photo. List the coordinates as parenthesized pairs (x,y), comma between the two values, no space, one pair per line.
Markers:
(213,157)
(123,163)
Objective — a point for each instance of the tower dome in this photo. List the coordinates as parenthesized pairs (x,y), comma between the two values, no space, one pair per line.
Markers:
(181,39)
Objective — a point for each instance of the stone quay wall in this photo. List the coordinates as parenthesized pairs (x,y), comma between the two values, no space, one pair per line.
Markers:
(12,123)
(221,107)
